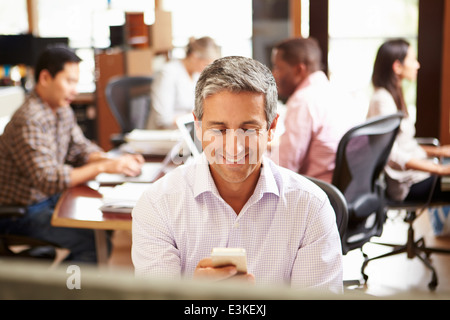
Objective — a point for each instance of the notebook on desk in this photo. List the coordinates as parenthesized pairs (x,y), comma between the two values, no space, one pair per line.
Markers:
(117,201)
(150,171)
(122,198)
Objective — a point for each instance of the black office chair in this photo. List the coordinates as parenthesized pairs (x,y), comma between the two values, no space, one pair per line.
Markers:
(128,98)
(414,248)
(360,159)
(338,203)
(27,247)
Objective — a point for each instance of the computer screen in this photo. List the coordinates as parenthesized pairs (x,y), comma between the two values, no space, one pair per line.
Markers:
(186,125)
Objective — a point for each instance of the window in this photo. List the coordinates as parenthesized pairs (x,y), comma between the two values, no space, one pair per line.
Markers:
(86,23)
(228,22)
(356,30)
(13,17)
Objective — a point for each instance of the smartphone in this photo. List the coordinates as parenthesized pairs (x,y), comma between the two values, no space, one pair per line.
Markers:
(230,256)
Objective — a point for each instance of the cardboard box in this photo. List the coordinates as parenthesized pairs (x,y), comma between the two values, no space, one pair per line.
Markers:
(139,62)
(160,33)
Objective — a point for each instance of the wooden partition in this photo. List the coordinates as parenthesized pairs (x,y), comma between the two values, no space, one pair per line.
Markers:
(108,64)
(433,82)
(445,85)
(295,15)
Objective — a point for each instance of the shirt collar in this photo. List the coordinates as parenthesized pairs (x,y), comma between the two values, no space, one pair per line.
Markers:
(205,183)
(267,180)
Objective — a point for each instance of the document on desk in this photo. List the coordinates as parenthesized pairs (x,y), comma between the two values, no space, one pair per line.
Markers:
(122,198)
(153,142)
(150,171)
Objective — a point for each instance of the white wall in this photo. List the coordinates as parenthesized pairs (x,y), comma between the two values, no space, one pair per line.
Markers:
(10,99)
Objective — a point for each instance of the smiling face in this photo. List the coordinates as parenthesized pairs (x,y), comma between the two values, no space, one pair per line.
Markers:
(234,135)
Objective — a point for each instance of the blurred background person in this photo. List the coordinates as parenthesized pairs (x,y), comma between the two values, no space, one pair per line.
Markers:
(173,87)
(317,115)
(43,151)
(410,171)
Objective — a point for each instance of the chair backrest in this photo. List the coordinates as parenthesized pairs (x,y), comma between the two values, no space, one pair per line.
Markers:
(360,160)
(338,203)
(129,100)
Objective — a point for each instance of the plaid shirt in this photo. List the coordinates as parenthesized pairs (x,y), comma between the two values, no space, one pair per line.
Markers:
(38,150)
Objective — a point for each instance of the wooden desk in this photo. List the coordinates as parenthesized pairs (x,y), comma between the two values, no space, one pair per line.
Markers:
(79,206)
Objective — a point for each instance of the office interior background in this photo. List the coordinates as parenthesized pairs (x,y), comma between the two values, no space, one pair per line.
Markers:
(241,27)
(349,31)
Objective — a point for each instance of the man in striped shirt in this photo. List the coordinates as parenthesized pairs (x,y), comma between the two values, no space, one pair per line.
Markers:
(43,151)
(233,196)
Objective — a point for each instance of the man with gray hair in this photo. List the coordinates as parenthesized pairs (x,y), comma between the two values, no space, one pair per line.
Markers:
(233,196)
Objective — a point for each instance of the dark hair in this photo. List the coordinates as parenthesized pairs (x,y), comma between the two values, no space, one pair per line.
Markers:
(301,50)
(53,60)
(383,75)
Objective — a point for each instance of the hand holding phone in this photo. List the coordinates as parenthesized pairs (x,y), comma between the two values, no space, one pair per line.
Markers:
(230,256)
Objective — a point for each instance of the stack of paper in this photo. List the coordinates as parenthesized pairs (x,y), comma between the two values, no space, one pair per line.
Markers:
(122,198)
(155,142)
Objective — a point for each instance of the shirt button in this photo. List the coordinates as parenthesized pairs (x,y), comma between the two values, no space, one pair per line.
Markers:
(236,225)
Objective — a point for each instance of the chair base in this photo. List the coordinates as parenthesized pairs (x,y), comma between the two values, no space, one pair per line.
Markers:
(413,249)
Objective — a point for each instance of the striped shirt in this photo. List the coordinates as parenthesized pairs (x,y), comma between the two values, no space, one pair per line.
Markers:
(38,150)
(287,227)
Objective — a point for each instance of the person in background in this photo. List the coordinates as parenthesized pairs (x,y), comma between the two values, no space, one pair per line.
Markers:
(173,87)
(317,115)
(410,171)
(43,152)
(234,196)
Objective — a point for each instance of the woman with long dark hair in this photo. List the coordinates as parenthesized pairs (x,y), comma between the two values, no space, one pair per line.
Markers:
(410,170)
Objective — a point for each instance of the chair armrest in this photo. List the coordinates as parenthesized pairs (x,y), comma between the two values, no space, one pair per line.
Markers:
(428,141)
(12,211)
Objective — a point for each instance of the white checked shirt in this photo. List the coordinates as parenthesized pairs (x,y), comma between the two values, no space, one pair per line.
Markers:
(287,227)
